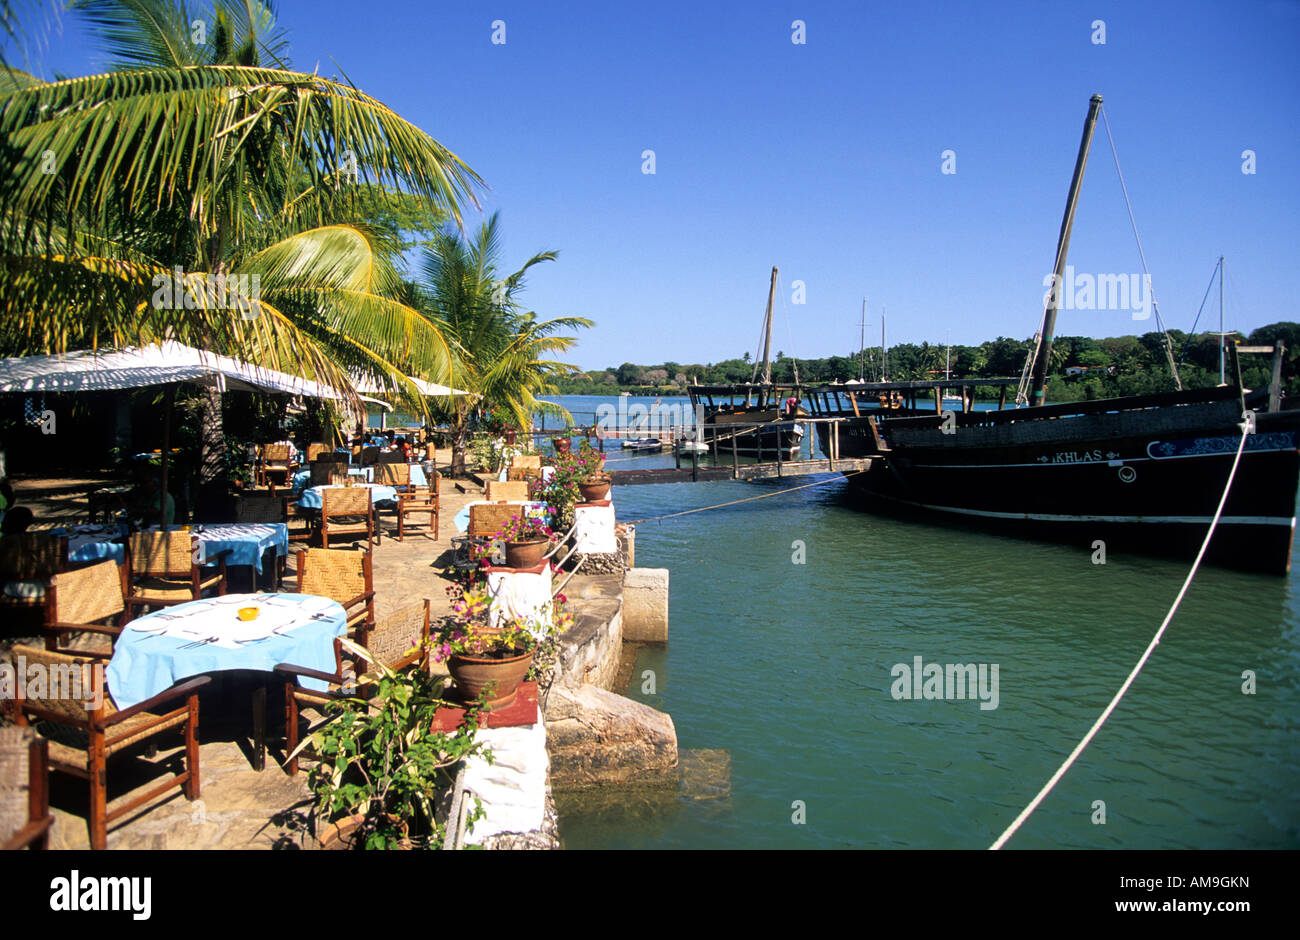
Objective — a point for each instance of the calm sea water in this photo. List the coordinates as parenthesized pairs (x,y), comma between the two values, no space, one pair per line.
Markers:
(786,666)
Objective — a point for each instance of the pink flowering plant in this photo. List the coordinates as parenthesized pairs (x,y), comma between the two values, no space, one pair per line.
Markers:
(468,631)
(526,528)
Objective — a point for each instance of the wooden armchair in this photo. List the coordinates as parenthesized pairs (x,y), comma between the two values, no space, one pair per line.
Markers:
(87,600)
(162,570)
(347,510)
(343,576)
(411,499)
(328,473)
(81,740)
(27,562)
(277,460)
(25,819)
(260,508)
(512,490)
(390,642)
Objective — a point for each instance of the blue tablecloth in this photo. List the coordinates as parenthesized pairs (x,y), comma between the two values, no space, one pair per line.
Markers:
(311,498)
(94,542)
(158,650)
(246,541)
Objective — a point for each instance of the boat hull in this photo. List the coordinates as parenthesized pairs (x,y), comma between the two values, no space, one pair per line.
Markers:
(1150,491)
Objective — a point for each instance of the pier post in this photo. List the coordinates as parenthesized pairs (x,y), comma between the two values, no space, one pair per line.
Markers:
(735,459)
(779,470)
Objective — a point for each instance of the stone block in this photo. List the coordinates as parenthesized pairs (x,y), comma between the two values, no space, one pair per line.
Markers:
(645,605)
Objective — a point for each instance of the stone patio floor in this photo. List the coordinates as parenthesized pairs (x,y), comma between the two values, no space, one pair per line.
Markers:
(241,808)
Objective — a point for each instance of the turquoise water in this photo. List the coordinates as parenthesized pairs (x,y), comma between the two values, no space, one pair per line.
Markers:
(787,667)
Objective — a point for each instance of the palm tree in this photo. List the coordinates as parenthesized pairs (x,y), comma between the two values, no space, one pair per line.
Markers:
(216,159)
(500,353)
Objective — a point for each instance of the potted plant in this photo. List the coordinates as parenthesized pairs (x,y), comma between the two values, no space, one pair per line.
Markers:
(526,539)
(486,663)
(382,767)
(594,487)
(563,443)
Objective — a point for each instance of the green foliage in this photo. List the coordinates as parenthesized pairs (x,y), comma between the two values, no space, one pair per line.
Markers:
(380,758)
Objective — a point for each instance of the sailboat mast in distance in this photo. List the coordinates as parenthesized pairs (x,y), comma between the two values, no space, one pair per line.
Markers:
(767,332)
(1222,381)
(862,341)
(884,359)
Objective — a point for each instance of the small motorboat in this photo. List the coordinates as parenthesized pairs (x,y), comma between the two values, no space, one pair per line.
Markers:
(692,447)
(644,445)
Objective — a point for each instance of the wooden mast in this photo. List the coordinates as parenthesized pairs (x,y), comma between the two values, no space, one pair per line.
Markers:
(767,332)
(1048,332)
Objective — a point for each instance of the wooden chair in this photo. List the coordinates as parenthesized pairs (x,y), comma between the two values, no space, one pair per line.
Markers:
(347,510)
(411,499)
(87,600)
(389,642)
(315,449)
(25,819)
(514,490)
(344,576)
(82,740)
(369,456)
(27,562)
(391,457)
(162,571)
(328,473)
(277,459)
(526,462)
(260,509)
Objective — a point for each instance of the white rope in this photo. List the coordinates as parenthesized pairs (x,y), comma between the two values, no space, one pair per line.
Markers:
(1155,641)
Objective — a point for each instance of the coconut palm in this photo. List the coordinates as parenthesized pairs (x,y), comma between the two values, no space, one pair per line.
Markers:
(500,353)
(198,160)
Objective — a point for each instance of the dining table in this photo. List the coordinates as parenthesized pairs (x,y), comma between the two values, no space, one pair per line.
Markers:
(230,632)
(245,543)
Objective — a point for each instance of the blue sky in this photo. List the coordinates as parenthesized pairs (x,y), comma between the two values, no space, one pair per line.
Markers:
(825,158)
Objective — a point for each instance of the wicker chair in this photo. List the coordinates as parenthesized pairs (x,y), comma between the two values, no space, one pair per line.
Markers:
(25,819)
(315,449)
(513,490)
(27,562)
(277,460)
(82,740)
(398,641)
(260,509)
(162,571)
(347,510)
(88,600)
(344,576)
(411,499)
(526,462)
(328,473)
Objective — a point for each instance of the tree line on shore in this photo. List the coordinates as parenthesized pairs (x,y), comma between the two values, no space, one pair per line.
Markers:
(1082,368)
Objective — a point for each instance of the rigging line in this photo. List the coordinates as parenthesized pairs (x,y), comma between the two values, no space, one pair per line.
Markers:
(1246,431)
(748,499)
(1199,311)
(1146,271)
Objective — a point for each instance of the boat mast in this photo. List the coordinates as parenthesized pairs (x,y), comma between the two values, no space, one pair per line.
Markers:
(862,340)
(767,332)
(1222,380)
(884,358)
(1048,332)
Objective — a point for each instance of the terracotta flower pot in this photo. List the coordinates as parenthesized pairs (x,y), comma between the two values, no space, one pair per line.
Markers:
(500,678)
(526,554)
(593,490)
(561,444)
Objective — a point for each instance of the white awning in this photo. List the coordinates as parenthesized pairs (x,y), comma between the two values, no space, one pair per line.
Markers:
(109,370)
(430,389)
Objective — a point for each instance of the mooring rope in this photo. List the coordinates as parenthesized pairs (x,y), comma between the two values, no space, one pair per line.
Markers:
(1246,430)
(747,499)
